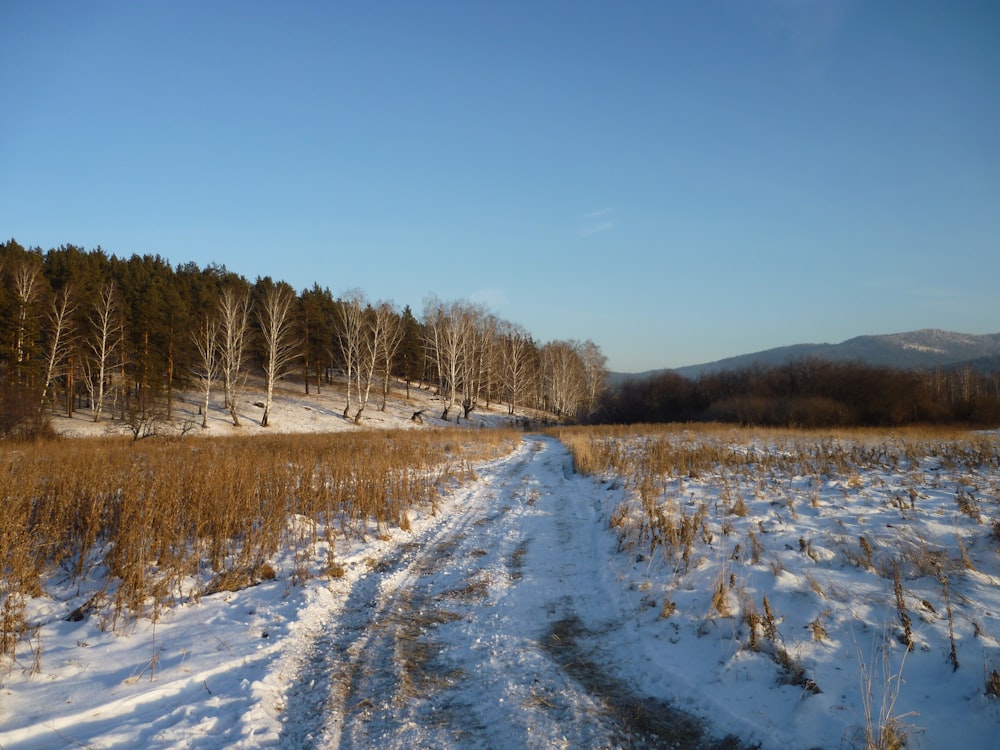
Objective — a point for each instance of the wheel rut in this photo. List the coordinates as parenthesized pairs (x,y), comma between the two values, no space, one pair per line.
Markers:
(476,634)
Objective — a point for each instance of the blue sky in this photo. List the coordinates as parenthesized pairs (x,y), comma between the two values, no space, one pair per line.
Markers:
(677,181)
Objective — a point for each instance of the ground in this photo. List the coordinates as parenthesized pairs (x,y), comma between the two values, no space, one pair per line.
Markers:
(513,615)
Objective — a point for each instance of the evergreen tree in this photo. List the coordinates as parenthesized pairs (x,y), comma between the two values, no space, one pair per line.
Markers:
(409,359)
(316,315)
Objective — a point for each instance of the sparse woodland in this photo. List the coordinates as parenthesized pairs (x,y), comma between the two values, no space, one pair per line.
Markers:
(119,338)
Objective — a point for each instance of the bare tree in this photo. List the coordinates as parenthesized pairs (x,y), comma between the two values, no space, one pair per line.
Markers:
(206,343)
(477,333)
(516,364)
(280,346)
(433,328)
(595,374)
(446,328)
(564,383)
(491,360)
(374,324)
(104,340)
(451,350)
(463,344)
(350,333)
(27,282)
(60,318)
(392,336)
(234,324)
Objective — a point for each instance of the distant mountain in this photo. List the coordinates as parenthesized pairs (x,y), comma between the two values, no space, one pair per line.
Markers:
(926,348)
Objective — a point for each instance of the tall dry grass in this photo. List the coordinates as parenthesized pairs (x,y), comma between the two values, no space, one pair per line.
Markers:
(160,520)
(691,450)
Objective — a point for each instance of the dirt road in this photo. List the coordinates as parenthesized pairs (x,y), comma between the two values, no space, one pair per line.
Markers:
(504,625)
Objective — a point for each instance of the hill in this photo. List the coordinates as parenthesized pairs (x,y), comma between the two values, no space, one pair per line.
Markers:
(926,348)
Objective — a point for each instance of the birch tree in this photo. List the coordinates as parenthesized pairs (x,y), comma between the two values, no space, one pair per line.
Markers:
(392,326)
(563,378)
(234,326)
(516,364)
(595,374)
(373,350)
(433,325)
(27,283)
(206,344)
(350,331)
(104,341)
(60,318)
(280,345)
(477,330)
(445,339)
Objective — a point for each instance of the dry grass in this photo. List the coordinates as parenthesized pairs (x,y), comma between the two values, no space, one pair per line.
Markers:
(684,488)
(163,520)
(884,728)
(993,684)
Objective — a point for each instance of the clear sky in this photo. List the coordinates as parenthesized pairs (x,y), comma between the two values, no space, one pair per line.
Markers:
(677,181)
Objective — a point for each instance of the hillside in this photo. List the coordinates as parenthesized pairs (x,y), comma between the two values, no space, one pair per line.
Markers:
(927,348)
(295,412)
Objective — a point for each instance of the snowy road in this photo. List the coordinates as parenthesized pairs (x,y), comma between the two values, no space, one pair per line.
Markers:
(502,626)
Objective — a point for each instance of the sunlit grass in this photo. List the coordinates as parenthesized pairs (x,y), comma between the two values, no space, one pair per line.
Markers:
(159,521)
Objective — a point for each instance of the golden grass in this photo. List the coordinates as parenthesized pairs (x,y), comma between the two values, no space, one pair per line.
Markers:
(154,518)
(682,450)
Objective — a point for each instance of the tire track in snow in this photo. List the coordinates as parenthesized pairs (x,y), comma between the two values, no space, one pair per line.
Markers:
(486,631)
(351,658)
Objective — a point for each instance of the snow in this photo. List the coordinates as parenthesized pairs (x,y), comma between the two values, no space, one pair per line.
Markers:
(516,617)
(292,412)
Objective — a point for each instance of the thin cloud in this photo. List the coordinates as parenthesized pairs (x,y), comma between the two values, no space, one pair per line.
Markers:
(597,222)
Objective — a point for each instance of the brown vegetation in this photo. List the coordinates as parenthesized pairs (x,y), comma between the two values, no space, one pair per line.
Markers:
(161,521)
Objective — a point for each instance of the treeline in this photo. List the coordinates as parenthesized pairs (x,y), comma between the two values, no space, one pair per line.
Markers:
(810,393)
(118,338)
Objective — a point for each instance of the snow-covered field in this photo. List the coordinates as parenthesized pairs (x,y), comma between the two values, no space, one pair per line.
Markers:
(518,616)
(812,559)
